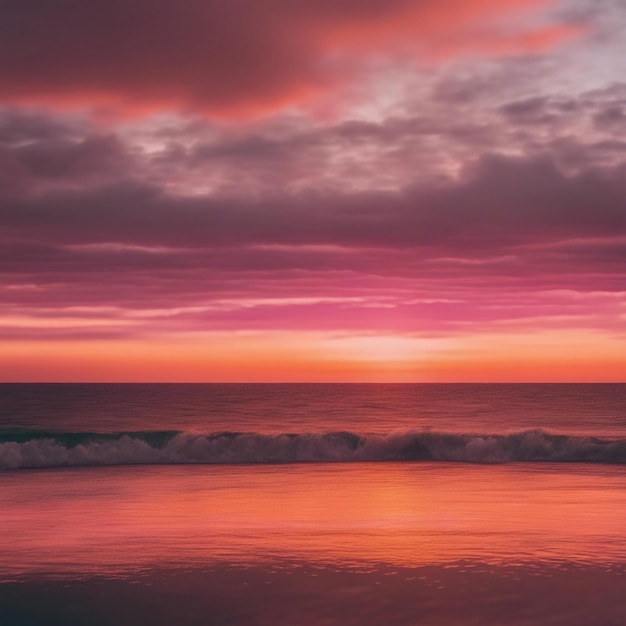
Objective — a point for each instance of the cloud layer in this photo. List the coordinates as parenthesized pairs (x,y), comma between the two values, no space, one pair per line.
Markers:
(241,57)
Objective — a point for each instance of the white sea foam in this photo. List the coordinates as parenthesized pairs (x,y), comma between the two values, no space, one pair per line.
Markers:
(64,450)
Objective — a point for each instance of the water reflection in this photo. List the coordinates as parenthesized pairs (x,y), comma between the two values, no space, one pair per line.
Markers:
(116,521)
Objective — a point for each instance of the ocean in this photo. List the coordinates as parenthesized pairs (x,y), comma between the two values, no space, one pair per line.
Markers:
(312,504)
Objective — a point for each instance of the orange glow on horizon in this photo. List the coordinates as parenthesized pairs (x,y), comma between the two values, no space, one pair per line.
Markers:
(556,356)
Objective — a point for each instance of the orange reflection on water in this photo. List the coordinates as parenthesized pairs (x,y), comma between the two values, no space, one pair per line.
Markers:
(116,520)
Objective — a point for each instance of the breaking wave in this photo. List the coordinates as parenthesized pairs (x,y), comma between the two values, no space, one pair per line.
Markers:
(38,449)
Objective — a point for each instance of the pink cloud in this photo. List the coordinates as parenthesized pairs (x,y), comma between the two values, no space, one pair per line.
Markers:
(240,58)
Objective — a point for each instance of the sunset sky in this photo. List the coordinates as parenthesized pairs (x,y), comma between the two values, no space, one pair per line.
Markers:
(312,190)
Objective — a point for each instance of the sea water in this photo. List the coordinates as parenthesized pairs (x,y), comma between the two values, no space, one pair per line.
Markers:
(312,504)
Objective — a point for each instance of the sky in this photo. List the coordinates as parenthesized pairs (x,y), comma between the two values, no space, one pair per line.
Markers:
(312,190)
